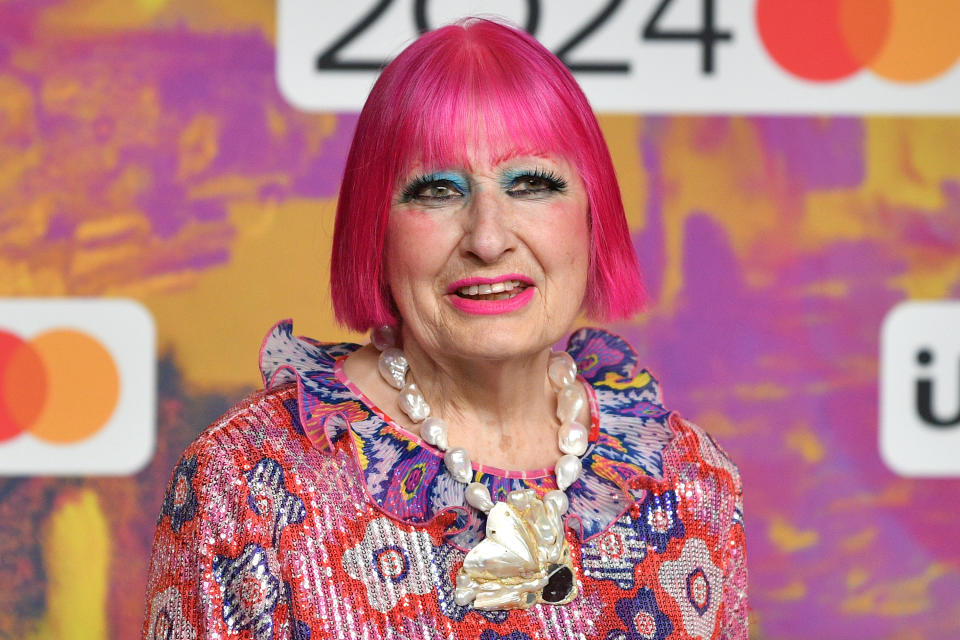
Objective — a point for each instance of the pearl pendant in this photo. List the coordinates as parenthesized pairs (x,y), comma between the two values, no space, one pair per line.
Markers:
(393,366)
(573,438)
(478,497)
(384,337)
(434,431)
(458,464)
(568,470)
(509,549)
(413,404)
(525,558)
(562,370)
(570,402)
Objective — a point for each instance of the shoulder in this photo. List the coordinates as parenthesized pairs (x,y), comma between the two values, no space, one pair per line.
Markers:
(206,484)
(695,444)
(627,390)
(257,447)
(291,422)
(261,426)
(249,424)
(654,446)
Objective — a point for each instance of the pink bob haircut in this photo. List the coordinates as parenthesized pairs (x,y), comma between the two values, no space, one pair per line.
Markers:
(437,98)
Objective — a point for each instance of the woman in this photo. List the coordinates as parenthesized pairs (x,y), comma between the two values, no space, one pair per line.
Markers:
(385,491)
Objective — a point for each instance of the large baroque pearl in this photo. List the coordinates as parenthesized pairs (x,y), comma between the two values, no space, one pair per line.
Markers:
(413,403)
(524,558)
(573,438)
(570,402)
(434,431)
(458,464)
(509,550)
(561,370)
(393,366)
(478,497)
(568,470)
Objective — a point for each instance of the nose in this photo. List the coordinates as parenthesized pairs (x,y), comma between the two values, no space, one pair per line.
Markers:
(488,234)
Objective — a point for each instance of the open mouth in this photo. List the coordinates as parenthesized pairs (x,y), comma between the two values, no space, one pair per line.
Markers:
(496,291)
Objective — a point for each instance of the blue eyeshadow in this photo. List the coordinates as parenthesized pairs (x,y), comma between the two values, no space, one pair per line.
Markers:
(512,174)
(458,179)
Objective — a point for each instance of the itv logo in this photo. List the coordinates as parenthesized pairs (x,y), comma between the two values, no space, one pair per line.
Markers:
(920,389)
(77,386)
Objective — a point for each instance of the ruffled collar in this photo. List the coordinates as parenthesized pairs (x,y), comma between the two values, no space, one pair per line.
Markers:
(405,477)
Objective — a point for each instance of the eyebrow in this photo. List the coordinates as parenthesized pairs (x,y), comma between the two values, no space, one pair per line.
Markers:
(506,156)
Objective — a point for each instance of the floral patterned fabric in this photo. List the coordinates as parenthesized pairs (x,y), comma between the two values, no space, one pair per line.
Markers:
(305,512)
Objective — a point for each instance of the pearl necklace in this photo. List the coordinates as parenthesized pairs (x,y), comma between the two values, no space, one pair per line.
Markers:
(525,558)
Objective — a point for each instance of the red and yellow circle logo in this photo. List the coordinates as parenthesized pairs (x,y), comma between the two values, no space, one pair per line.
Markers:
(61,386)
(826,40)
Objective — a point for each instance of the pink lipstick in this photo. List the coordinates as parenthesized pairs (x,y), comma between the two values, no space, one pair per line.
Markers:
(490,296)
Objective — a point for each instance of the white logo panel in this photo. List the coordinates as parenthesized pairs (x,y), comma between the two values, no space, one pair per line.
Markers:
(920,389)
(77,386)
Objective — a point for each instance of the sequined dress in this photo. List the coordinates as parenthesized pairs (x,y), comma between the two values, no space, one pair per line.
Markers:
(306,513)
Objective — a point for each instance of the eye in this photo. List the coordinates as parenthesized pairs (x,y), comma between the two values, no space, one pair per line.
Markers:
(535,183)
(431,190)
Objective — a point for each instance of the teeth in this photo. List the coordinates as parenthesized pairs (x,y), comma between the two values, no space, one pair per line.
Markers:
(497,289)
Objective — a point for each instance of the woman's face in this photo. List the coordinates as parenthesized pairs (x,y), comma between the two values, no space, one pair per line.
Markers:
(489,261)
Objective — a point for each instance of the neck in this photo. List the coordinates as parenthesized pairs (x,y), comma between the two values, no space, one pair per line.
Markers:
(502,411)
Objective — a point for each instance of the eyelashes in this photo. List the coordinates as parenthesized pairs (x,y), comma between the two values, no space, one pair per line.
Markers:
(434,188)
(537,182)
(440,188)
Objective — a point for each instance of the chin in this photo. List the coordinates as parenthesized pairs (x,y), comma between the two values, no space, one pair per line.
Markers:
(499,340)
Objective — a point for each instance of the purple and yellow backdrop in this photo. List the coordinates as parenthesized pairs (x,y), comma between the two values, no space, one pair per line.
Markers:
(145,152)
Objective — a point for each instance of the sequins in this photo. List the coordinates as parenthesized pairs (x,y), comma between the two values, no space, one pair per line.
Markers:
(643,618)
(166,619)
(614,554)
(490,634)
(251,591)
(180,503)
(391,562)
(693,581)
(659,521)
(270,499)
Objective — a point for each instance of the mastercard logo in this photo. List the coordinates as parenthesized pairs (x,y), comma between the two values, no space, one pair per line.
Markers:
(60,386)
(77,386)
(907,41)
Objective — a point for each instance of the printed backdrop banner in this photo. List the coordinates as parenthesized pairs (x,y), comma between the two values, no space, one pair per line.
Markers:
(663,56)
(147,153)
